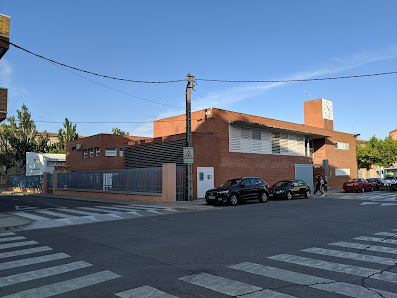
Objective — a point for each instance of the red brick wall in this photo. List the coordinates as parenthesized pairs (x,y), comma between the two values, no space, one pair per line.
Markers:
(313,111)
(76,162)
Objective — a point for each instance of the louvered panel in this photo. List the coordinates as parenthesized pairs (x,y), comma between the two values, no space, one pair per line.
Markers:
(234,138)
(284,143)
(256,141)
(245,141)
(266,142)
(275,143)
(301,145)
(292,144)
(154,155)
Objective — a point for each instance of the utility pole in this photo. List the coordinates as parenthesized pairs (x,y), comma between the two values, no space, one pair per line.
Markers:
(189,143)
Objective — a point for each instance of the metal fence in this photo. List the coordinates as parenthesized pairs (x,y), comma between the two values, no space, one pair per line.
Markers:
(50,181)
(34,181)
(181,183)
(147,180)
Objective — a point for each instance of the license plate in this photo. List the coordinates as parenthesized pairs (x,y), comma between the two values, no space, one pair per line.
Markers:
(349,184)
(211,197)
(270,194)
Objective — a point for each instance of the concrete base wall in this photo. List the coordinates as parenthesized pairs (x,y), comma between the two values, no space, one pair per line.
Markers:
(28,190)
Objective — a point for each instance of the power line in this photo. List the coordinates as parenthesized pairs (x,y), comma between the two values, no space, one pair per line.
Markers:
(300,80)
(93,73)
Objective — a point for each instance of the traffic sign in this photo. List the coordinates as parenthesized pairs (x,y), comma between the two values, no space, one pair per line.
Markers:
(188,155)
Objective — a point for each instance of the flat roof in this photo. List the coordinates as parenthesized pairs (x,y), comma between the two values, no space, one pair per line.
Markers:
(278,128)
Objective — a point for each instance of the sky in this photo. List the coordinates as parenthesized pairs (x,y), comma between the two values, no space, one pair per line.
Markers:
(226,40)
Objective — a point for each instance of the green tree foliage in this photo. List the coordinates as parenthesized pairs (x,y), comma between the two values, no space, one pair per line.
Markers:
(119,132)
(17,139)
(65,134)
(376,152)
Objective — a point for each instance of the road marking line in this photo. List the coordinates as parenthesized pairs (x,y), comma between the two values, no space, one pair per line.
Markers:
(30,216)
(17,244)
(24,252)
(67,285)
(95,210)
(107,212)
(350,255)
(388,204)
(12,238)
(144,207)
(35,260)
(336,267)
(369,203)
(78,212)
(145,291)
(266,294)
(376,248)
(311,281)
(52,213)
(127,210)
(36,274)
(220,284)
(7,234)
(374,239)
(386,234)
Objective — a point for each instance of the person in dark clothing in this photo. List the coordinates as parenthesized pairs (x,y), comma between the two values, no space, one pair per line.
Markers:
(318,185)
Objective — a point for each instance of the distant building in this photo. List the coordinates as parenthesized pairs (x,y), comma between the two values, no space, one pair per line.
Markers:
(39,163)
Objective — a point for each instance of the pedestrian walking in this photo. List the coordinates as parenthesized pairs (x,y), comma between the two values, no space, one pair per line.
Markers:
(325,186)
(318,185)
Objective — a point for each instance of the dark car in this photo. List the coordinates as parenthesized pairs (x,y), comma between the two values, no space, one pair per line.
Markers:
(377,183)
(236,190)
(287,189)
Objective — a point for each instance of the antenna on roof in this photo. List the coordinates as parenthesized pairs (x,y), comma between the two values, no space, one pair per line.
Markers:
(307,93)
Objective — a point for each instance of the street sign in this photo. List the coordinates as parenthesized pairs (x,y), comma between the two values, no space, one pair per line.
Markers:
(188,155)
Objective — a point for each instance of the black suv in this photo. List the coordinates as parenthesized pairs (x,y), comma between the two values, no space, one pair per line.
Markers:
(237,189)
(288,189)
(377,183)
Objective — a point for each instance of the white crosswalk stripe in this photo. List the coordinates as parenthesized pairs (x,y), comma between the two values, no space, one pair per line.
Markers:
(12,238)
(34,260)
(52,213)
(41,273)
(311,281)
(351,256)
(376,248)
(7,234)
(375,239)
(144,292)
(386,234)
(336,267)
(67,286)
(17,244)
(22,252)
(220,284)
(119,209)
(29,215)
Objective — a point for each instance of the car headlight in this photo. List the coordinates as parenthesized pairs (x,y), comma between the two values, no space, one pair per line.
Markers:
(223,192)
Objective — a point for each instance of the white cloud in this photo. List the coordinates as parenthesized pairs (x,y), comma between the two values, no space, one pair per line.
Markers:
(5,73)
(225,97)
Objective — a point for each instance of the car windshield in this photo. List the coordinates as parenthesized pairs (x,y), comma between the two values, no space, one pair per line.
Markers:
(355,180)
(281,184)
(230,182)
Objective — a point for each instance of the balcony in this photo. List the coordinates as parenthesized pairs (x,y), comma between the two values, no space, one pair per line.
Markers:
(4,34)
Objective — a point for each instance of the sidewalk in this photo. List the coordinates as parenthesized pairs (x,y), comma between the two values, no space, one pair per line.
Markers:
(8,222)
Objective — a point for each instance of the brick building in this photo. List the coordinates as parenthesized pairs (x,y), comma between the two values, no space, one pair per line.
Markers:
(229,144)
(393,134)
(97,152)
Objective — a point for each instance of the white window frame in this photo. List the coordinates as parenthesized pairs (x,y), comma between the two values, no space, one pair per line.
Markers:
(342,172)
(91,150)
(85,153)
(97,151)
(111,151)
(121,152)
(341,146)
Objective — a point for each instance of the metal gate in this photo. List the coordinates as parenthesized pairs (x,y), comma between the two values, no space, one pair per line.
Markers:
(304,172)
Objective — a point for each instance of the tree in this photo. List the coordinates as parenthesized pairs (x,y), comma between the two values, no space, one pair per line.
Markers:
(68,133)
(16,140)
(119,132)
(376,152)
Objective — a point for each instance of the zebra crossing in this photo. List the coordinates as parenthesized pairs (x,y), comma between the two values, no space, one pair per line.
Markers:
(44,256)
(381,199)
(57,217)
(356,261)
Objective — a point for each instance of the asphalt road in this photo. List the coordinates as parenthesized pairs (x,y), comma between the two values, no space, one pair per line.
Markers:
(228,251)
(9,203)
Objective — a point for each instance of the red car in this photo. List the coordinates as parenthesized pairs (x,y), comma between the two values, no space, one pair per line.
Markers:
(358,185)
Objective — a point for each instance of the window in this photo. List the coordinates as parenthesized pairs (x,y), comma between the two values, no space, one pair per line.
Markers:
(53,163)
(121,153)
(91,152)
(342,146)
(97,151)
(4,168)
(111,151)
(85,153)
(3,180)
(275,143)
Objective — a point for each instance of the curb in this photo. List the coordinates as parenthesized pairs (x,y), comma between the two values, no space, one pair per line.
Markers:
(15,227)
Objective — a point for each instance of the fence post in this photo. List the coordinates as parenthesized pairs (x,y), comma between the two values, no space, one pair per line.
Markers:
(55,182)
(45,182)
(169,182)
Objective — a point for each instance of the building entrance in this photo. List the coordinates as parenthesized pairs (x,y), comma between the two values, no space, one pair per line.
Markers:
(205,180)
(305,172)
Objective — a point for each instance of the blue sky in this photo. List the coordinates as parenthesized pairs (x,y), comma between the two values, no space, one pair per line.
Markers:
(231,40)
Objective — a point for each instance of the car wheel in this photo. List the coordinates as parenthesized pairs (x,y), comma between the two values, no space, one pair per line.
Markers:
(263,197)
(362,189)
(289,196)
(233,200)
(308,194)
